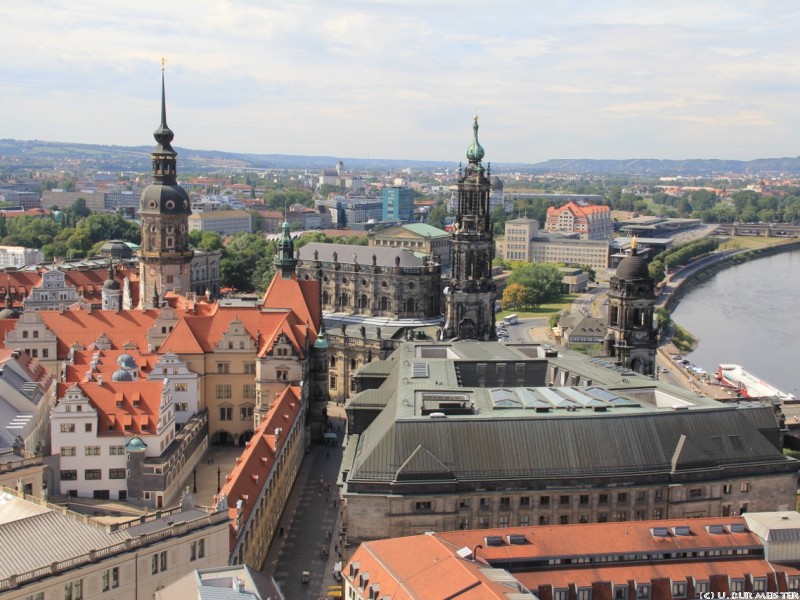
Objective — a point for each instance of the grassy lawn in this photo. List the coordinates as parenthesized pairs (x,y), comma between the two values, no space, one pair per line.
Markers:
(545,310)
(742,242)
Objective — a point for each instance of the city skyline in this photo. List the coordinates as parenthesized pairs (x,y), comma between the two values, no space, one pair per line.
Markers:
(401,79)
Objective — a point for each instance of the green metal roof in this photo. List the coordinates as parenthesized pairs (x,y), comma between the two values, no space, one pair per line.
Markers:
(426,230)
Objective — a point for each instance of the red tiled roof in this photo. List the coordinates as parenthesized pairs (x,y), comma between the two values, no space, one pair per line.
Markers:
(604,538)
(422,567)
(585,575)
(302,297)
(577,209)
(247,478)
(83,327)
(140,401)
(107,363)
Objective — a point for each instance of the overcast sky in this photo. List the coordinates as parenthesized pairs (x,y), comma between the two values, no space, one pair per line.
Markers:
(402,78)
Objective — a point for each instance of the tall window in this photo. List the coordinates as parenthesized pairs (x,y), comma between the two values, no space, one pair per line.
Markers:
(223,391)
(223,367)
(110,578)
(226,413)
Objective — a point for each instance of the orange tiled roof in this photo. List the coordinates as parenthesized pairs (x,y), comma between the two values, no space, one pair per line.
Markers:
(83,327)
(122,403)
(303,297)
(88,283)
(107,365)
(577,209)
(247,478)
(603,538)
(422,567)
(585,575)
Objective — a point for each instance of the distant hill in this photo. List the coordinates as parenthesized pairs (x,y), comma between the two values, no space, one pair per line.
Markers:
(658,167)
(45,155)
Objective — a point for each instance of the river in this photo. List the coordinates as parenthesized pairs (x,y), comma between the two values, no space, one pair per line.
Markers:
(749,315)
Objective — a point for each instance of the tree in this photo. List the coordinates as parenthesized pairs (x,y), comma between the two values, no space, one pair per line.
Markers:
(436,216)
(79,208)
(542,282)
(247,262)
(513,296)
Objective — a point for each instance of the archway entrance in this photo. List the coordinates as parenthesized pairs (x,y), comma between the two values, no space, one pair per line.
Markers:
(222,438)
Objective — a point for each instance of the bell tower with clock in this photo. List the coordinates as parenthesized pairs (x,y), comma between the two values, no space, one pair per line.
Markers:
(165,256)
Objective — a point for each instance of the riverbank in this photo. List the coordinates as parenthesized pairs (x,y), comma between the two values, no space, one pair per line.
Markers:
(678,284)
(747,316)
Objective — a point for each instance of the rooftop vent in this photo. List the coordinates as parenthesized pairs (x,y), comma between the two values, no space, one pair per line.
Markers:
(736,528)
(494,540)
(659,531)
(717,529)
(682,530)
(517,539)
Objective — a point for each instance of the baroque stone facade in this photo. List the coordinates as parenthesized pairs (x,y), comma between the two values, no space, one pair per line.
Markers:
(470,294)
(373,282)
(366,292)
(632,337)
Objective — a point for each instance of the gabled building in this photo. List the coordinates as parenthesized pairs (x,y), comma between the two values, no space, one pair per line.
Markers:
(256,490)
(589,221)
(102,430)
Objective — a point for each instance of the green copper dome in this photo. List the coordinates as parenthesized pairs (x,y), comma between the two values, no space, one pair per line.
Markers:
(475,151)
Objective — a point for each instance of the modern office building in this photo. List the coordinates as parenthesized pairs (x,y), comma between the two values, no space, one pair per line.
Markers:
(398,203)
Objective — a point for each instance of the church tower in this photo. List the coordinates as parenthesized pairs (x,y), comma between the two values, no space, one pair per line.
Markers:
(112,291)
(165,256)
(631,301)
(470,295)
(285,260)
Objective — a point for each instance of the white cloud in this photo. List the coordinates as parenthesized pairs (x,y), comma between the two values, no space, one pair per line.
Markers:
(401,78)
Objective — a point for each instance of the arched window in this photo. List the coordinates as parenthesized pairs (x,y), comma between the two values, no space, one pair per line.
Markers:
(364,301)
(410,305)
(384,303)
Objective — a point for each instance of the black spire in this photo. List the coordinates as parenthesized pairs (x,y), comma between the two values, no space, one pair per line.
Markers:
(164,157)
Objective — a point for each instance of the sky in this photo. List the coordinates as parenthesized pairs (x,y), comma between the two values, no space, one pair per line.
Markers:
(549,79)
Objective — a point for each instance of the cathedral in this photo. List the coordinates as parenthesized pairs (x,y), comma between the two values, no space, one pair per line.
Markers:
(470,296)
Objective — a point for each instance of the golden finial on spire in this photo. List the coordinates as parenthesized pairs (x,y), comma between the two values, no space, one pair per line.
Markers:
(633,245)
(476,114)
(163,63)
